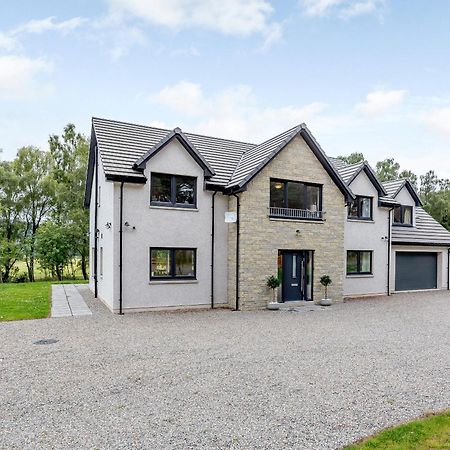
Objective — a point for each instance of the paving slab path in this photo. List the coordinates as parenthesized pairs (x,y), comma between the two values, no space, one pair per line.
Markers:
(67,301)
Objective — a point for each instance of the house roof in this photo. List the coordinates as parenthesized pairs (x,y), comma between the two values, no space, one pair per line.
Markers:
(229,165)
(349,172)
(394,187)
(185,142)
(123,144)
(426,232)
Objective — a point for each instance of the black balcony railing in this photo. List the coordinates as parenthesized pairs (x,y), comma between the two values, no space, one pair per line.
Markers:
(291,213)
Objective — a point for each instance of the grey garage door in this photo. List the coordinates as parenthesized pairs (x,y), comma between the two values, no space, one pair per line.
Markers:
(415,271)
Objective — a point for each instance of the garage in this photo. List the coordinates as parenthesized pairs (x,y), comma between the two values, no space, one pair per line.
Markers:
(415,270)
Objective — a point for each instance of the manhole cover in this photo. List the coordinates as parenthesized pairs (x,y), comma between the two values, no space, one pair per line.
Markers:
(46,341)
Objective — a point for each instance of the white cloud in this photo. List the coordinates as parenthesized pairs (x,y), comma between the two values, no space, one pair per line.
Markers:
(232,17)
(20,77)
(438,120)
(49,24)
(381,101)
(7,42)
(232,112)
(10,40)
(341,8)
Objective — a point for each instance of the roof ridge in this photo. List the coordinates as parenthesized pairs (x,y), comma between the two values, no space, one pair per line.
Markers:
(168,130)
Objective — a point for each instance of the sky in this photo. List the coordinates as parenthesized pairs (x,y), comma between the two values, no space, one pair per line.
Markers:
(369,76)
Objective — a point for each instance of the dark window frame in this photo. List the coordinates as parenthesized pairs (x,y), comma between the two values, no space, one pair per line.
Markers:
(172,275)
(402,216)
(358,262)
(305,194)
(359,199)
(173,191)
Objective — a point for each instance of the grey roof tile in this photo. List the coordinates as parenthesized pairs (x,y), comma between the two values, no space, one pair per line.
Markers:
(426,232)
(121,144)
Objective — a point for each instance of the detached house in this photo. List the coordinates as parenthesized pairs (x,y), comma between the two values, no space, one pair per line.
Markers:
(184,220)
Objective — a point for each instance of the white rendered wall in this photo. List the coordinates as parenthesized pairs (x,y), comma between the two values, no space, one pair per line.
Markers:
(170,227)
(367,235)
(105,214)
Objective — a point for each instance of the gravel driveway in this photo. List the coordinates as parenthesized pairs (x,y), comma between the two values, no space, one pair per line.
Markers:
(223,379)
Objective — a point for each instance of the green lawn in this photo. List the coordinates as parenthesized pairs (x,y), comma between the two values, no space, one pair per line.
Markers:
(27,300)
(39,274)
(432,432)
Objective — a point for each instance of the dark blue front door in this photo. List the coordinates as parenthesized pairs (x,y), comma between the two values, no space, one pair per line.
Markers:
(293,287)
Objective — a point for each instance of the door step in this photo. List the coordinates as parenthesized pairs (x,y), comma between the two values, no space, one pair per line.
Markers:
(295,304)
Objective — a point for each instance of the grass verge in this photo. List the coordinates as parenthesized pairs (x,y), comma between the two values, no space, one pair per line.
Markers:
(19,301)
(431,432)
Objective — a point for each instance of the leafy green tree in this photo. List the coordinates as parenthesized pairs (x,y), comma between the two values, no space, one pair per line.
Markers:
(353,158)
(53,247)
(70,157)
(10,224)
(411,176)
(33,167)
(387,169)
(435,196)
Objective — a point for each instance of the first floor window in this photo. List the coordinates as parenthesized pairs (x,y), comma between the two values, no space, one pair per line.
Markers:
(173,190)
(403,215)
(172,263)
(361,208)
(296,195)
(359,262)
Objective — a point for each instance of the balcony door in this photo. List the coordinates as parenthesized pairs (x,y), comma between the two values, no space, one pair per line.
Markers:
(296,273)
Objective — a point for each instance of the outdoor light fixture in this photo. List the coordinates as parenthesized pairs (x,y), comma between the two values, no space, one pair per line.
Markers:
(108,225)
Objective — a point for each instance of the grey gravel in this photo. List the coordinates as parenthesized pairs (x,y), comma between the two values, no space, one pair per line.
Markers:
(223,379)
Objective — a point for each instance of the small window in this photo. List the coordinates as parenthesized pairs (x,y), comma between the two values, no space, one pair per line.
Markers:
(173,190)
(99,196)
(359,262)
(403,215)
(361,208)
(172,263)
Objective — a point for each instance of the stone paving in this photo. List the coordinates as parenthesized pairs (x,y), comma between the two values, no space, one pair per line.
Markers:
(67,301)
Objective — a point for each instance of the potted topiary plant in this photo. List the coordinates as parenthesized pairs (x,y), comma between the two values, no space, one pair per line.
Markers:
(325,281)
(273,283)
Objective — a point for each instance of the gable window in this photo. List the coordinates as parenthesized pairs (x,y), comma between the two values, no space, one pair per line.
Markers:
(173,190)
(295,200)
(172,263)
(361,208)
(403,215)
(359,262)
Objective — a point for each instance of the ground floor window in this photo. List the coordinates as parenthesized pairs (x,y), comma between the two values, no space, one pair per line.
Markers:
(101,261)
(359,262)
(172,263)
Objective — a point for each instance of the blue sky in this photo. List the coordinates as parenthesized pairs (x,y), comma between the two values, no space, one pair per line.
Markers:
(365,75)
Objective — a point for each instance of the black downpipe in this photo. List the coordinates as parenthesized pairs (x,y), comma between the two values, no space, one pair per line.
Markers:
(448,269)
(212,246)
(121,249)
(389,253)
(237,251)
(96,225)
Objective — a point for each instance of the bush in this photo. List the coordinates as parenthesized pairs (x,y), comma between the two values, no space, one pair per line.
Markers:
(20,278)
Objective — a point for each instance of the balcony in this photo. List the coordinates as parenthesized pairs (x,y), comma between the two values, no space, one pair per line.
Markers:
(295,214)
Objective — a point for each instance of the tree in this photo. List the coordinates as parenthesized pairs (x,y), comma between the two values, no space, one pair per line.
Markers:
(387,169)
(33,167)
(70,156)
(409,175)
(10,225)
(353,158)
(435,196)
(53,247)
